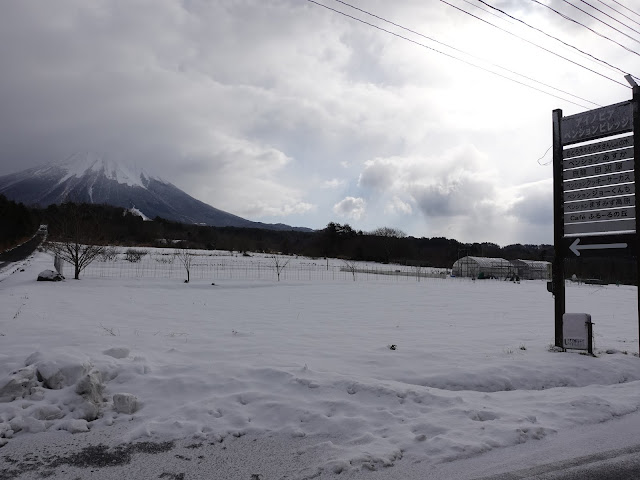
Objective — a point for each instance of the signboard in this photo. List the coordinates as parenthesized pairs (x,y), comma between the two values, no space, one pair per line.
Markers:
(594,186)
(598,147)
(616,191)
(607,169)
(598,123)
(600,181)
(599,215)
(626,225)
(608,156)
(601,203)
(604,245)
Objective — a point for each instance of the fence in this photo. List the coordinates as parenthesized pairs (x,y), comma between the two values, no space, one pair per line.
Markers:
(228,267)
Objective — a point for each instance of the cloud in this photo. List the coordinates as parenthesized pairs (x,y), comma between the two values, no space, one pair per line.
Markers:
(235,169)
(278,110)
(350,207)
(397,206)
(534,203)
(333,183)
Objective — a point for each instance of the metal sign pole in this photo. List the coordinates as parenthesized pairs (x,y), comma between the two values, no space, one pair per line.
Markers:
(636,154)
(558,228)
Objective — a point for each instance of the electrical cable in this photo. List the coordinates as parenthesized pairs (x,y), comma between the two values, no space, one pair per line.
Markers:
(627,8)
(566,17)
(443,53)
(555,38)
(620,13)
(536,45)
(609,16)
(465,53)
(601,21)
(484,10)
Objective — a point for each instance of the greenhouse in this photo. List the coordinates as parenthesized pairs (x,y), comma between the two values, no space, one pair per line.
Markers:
(533,269)
(483,267)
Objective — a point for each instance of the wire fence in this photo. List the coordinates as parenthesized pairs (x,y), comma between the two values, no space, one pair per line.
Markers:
(238,267)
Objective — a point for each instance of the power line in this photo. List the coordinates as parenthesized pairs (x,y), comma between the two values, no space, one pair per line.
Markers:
(464,53)
(620,13)
(609,16)
(444,53)
(601,21)
(627,8)
(536,45)
(555,38)
(483,9)
(566,17)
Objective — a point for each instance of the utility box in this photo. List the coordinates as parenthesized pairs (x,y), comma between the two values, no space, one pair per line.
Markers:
(577,332)
(58,264)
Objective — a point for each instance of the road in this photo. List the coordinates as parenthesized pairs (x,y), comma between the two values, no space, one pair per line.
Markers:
(583,453)
(620,464)
(21,251)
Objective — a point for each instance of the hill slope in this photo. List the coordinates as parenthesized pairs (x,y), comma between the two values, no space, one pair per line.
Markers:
(91,178)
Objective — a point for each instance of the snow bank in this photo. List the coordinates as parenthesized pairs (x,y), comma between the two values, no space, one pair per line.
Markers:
(472,370)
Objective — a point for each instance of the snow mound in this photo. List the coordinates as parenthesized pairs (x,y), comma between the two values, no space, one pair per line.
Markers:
(60,391)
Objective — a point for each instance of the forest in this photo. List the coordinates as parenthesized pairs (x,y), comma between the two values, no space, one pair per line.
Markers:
(116,226)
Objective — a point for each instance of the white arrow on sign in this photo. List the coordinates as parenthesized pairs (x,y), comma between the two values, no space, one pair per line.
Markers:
(575,247)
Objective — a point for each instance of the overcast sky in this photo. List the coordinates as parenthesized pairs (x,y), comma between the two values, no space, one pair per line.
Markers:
(285,111)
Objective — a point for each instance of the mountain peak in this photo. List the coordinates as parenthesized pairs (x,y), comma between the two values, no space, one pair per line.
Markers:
(106,179)
(83,163)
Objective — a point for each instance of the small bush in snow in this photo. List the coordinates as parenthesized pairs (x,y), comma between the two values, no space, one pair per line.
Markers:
(109,254)
(164,258)
(134,256)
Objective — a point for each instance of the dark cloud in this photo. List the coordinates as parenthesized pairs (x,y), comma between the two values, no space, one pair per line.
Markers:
(536,205)
(461,197)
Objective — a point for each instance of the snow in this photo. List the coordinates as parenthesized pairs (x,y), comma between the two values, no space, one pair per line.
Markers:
(308,358)
(135,211)
(82,163)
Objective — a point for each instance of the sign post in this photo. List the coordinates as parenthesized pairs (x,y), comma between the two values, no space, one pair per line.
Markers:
(594,187)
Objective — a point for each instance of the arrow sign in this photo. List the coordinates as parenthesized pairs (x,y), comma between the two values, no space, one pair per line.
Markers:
(575,247)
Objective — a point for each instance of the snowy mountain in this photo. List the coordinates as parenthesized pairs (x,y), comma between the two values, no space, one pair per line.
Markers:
(91,178)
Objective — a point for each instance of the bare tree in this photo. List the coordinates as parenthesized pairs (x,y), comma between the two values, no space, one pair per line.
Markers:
(76,238)
(279,264)
(351,266)
(418,271)
(388,232)
(185,257)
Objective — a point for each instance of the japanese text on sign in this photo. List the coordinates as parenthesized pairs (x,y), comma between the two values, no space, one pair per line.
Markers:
(626,189)
(597,123)
(598,147)
(601,181)
(597,158)
(602,203)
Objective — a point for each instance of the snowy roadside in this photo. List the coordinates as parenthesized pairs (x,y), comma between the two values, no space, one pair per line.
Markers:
(309,363)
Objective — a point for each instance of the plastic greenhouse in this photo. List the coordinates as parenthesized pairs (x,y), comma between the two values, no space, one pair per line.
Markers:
(533,269)
(483,267)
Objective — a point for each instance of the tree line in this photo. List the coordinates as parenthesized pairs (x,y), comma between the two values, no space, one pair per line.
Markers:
(108,225)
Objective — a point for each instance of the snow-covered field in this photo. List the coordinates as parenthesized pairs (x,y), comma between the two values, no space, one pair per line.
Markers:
(310,357)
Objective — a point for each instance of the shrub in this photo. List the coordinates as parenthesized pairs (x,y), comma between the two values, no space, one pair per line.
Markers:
(134,256)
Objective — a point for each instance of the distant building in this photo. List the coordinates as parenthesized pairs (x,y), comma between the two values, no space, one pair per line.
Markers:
(533,269)
(483,267)
(486,267)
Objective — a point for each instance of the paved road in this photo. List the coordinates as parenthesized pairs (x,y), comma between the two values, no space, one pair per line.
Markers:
(20,252)
(620,464)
